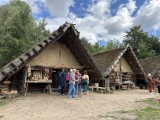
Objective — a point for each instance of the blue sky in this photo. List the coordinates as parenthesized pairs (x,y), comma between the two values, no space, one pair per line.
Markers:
(98,20)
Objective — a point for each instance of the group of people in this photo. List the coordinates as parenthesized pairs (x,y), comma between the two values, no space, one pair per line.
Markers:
(74,82)
(152,82)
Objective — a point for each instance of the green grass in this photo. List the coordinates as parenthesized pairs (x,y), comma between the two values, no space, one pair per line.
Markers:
(107,116)
(152,101)
(152,112)
(3,102)
(149,113)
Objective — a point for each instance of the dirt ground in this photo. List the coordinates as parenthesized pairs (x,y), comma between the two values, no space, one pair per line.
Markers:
(55,107)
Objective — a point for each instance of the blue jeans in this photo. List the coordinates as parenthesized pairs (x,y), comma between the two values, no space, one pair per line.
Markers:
(71,90)
(79,88)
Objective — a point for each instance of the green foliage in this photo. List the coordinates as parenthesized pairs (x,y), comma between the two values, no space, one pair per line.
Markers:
(19,31)
(113,44)
(151,112)
(143,45)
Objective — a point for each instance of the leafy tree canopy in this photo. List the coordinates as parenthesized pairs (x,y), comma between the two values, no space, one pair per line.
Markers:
(143,44)
(110,45)
(18,29)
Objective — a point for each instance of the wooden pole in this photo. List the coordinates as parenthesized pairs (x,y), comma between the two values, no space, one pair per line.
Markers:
(120,70)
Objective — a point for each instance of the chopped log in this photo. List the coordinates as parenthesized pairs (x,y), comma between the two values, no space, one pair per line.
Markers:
(14,91)
(7,82)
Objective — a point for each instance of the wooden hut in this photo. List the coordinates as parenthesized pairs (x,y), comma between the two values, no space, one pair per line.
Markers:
(119,67)
(41,63)
(151,65)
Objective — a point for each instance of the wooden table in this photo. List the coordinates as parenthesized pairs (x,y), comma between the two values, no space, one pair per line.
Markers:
(41,82)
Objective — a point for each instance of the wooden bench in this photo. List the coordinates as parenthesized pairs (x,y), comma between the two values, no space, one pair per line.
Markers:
(101,89)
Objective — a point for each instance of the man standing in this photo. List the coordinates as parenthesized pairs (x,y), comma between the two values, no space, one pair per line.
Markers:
(62,81)
(72,83)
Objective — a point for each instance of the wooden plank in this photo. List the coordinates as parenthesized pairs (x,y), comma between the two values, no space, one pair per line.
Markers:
(43,44)
(47,41)
(31,53)
(55,34)
(16,62)
(51,37)
(38,81)
(24,57)
(1,75)
(37,49)
(6,70)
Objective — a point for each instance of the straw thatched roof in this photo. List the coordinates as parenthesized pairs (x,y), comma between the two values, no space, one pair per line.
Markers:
(66,34)
(151,65)
(107,60)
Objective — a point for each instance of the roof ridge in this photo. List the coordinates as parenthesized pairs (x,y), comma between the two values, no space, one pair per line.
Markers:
(122,48)
(150,58)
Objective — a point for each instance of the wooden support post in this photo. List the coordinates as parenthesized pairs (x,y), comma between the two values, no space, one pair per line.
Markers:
(25,85)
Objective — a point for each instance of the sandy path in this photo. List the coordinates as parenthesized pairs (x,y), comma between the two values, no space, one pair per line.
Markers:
(56,107)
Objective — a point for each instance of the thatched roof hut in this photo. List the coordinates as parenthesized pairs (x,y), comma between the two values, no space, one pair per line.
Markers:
(151,65)
(120,60)
(62,49)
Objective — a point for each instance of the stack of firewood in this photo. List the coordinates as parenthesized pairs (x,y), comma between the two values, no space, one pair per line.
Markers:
(36,76)
(4,87)
(45,77)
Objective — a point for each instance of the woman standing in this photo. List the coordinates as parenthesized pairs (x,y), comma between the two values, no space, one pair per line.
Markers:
(78,82)
(85,82)
(72,84)
(150,80)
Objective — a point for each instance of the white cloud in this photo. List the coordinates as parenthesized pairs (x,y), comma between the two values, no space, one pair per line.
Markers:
(131,6)
(98,22)
(100,8)
(148,16)
(59,8)
(36,8)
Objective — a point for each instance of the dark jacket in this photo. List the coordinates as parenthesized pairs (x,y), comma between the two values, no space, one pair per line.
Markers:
(62,79)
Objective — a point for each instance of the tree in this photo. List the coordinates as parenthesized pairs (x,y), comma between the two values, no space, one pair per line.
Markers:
(113,44)
(140,42)
(154,44)
(18,29)
(92,48)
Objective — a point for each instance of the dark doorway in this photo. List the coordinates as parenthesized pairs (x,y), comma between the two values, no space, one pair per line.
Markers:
(55,77)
